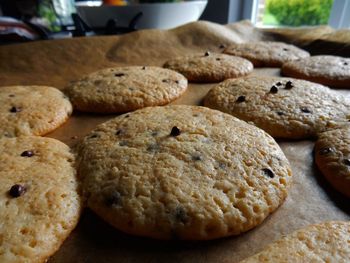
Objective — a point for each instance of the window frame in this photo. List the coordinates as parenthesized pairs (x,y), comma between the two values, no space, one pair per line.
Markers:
(340,14)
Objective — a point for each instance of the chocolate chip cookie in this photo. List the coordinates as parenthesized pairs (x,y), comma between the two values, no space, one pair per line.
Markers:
(123,89)
(325,242)
(332,71)
(283,107)
(267,53)
(332,152)
(210,67)
(39,200)
(182,172)
(32,110)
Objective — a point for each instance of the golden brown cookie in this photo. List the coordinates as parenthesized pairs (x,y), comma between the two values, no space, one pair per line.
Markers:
(332,151)
(210,67)
(32,110)
(39,200)
(266,53)
(332,71)
(283,107)
(184,172)
(123,89)
(325,242)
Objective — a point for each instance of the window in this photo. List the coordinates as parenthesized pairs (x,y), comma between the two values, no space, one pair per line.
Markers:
(279,13)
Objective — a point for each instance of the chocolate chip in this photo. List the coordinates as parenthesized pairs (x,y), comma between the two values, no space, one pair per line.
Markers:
(93,136)
(17,190)
(206,54)
(280,113)
(177,82)
(346,162)
(175,131)
(15,109)
(305,110)
(325,150)
(143,68)
(268,172)
(285,49)
(119,74)
(196,157)
(113,198)
(240,99)
(120,131)
(11,95)
(123,143)
(218,59)
(27,154)
(166,80)
(279,83)
(274,89)
(181,215)
(222,46)
(345,63)
(127,116)
(289,85)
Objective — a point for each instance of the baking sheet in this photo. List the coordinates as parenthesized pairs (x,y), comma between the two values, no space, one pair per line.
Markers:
(311,199)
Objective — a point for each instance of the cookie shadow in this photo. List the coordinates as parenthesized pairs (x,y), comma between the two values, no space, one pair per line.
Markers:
(103,243)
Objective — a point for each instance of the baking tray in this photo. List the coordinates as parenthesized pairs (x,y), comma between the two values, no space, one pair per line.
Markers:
(56,63)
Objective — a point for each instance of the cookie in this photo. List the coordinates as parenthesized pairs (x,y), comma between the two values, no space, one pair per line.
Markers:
(266,53)
(39,202)
(32,110)
(210,67)
(122,89)
(325,242)
(182,172)
(283,107)
(332,152)
(327,70)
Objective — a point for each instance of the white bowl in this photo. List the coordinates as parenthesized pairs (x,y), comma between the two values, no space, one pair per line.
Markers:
(155,15)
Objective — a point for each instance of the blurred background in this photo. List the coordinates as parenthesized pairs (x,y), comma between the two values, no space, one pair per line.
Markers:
(22,20)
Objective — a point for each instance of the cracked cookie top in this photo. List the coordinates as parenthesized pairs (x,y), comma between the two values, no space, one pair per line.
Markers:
(32,110)
(183,172)
(39,200)
(123,89)
(266,53)
(283,107)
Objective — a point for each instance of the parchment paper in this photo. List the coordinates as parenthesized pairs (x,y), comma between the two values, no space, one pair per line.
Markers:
(55,63)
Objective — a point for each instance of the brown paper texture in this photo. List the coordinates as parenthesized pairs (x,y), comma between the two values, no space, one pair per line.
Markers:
(55,63)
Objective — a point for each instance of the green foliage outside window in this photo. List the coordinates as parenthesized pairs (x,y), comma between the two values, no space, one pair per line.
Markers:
(297,12)
(46,12)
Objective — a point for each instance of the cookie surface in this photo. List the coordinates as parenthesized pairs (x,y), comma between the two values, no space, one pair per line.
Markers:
(326,242)
(332,152)
(267,53)
(184,172)
(32,110)
(327,70)
(283,107)
(39,202)
(210,67)
(123,89)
